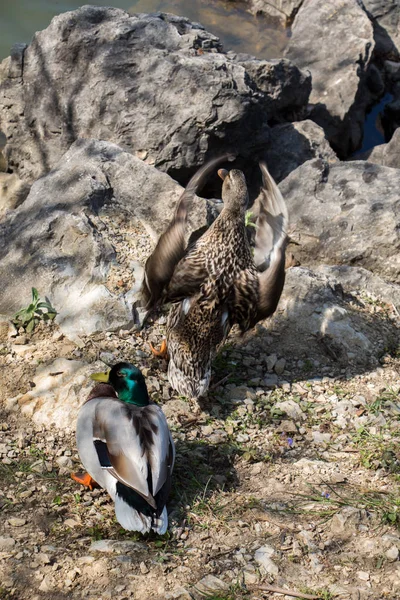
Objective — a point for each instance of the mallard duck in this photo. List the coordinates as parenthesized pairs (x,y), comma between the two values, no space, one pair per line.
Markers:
(218,280)
(126,447)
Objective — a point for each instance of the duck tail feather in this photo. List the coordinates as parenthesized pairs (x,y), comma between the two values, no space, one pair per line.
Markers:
(160,524)
(130,518)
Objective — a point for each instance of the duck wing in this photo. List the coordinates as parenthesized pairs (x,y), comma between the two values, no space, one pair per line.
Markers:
(171,246)
(256,294)
(272,221)
(134,445)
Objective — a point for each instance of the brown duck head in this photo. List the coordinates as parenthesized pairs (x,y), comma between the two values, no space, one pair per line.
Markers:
(234,190)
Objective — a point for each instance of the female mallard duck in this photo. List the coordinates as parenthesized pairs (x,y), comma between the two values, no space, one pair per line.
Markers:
(218,279)
(126,447)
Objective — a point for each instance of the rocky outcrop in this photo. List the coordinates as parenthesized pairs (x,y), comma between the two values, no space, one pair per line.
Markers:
(281,11)
(363,281)
(334,40)
(292,144)
(158,85)
(55,241)
(59,389)
(312,309)
(385,15)
(388,154)
(345,213)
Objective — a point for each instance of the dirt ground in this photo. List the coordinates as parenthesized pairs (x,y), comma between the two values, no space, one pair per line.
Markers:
(288,478)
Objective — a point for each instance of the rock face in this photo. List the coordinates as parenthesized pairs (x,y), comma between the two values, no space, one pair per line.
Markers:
(157,85)
(334,40)
(60,388)
(361,280)
(346,213)
(292,144)
(388,154)
(282,11)
(311,309)
(63,252)
(386,16)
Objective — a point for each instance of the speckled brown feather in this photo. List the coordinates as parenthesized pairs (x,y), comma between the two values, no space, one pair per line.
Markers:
(222,252)
(221,283)
(256,295)
(171,246)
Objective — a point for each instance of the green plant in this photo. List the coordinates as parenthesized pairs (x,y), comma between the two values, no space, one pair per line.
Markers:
(249,219)
(95,533)
(384,504)
(308,365)
(322,594)
(37,310)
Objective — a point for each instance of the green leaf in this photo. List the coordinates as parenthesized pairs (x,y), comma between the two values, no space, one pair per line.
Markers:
(30,327)
(35,295)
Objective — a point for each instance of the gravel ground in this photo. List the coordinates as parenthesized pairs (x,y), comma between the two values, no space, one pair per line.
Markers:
(289,477)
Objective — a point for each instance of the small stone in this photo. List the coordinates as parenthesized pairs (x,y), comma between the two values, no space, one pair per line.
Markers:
(16,522)
(280,366)
(292,409)
(363,575)
(64,462)
(210,584)
(6,544)
(86,560)
(108,358)
(179,593)
(271,381)
(143,568)
(237,392)
(287,427)
(271,361)
(116,546)
(71,523)
(392,554)
(47,584)
(338,478)
(43,558)
(320,439)
(263,557)
(346,522)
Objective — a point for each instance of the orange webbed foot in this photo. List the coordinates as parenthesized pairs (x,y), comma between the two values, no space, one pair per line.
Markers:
(162,352)
(85,479)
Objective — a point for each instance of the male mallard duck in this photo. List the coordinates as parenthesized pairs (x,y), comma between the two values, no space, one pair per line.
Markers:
(218,279)
(126,447)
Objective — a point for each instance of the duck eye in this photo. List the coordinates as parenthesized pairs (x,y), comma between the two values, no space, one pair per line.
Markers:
(120,374)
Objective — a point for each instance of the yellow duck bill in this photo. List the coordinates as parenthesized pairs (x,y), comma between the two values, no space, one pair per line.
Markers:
(100,376)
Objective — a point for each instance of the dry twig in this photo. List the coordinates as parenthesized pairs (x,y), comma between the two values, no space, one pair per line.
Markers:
(277,590)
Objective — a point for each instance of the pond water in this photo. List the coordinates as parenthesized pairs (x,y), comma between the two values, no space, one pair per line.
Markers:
(237,29)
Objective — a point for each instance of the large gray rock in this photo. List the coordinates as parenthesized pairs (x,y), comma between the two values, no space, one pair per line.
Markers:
(292,144)
(361,280)
(54,241)
(346,213)
(157,85)
(285,88)
(388,154)
(386,19)
(58,393)
(334,40)
(314,315)
(281,11)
